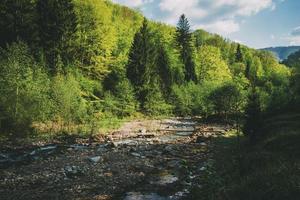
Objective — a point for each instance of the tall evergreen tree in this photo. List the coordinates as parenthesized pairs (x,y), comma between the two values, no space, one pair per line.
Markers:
(184,41)
(163,68)
(57,25)
(17,21)
(142,61)
(239,55)
(247,70)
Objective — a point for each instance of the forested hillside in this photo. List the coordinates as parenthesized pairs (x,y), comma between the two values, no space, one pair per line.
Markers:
(99,102)
(70,65)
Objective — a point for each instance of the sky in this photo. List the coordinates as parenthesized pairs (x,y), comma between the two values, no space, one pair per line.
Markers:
(256,23)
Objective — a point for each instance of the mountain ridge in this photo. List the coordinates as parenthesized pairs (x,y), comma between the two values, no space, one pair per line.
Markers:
(282,52)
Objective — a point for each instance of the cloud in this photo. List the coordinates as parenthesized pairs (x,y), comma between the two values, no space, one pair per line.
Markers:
(219,16)
(293,38)
(130,3)
(296,31)
(224,27)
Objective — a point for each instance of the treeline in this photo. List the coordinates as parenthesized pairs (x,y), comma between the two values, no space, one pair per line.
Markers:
(76,63)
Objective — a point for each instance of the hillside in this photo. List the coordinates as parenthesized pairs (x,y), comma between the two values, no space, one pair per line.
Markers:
(99,102)
(99,60)
(283,52)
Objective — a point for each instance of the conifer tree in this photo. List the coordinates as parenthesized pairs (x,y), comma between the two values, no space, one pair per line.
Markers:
(184,41)
(57,25)
(247,71)
(142,62)
(239,55)
(164,71)
(17,21)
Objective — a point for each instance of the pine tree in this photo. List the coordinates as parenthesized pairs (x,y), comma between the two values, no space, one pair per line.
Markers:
(239,55)
(247,71)
(184,41)
(164,71)
(57,25)
(17,21)
(142,62)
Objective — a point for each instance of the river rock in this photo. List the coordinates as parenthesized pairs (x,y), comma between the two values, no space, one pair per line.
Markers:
(94,159)
(203,144)
(166,180)
(141,196)
(73,171)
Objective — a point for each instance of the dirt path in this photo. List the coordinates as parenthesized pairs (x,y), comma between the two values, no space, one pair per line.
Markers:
(154,159)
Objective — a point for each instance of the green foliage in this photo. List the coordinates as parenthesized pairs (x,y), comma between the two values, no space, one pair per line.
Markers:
(56,24)
(211,66)
(184,42)
(227,99)
(293,60)
(24,87)
(18,21)
(164,71)
(67,101)
(155,104)
(239,55)
(192,99)
(142,62)
(81,62)
(253,114)
(127,103)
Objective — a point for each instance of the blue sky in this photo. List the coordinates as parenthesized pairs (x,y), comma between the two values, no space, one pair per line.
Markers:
(256,23)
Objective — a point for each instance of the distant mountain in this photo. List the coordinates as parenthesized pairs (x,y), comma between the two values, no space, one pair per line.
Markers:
(282,52)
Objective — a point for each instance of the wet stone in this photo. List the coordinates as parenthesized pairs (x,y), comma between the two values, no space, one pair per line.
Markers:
(166,180)
(78,147)
(73,171)
(141,196)
(184,133)
(203,144)
(95,159)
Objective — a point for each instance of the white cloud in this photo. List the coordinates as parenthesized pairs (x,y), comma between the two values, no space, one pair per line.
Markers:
(175,8)
(224,27)
(294,37)
(296,31)
(219,16)
(244,7)
(130,3)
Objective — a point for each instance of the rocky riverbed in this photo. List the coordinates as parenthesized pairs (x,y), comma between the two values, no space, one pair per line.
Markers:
(143,160)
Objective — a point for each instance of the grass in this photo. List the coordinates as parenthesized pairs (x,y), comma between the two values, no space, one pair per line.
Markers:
(57,131)
(268,170)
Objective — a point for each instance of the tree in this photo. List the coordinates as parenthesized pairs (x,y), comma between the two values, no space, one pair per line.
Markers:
(57,27)
(239,55)
(253,116)
(227,99)
(17,21)
(163,65)
(154,101)
(141,68)
(211,66)
(68,105)
(184,42)
(24,87)
(293,60)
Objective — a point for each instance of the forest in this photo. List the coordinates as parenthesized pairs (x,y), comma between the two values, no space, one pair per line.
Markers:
(74,64)
(74,67)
